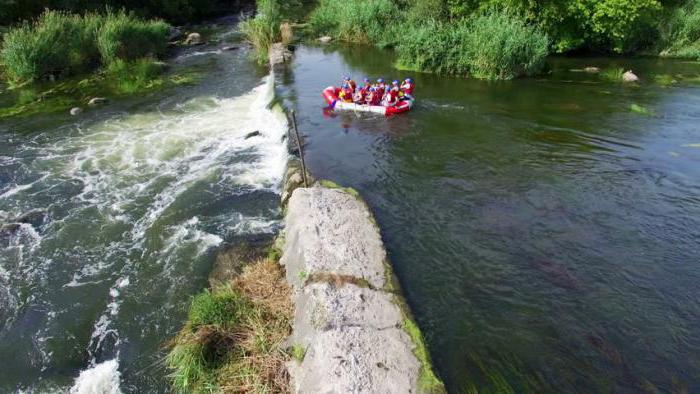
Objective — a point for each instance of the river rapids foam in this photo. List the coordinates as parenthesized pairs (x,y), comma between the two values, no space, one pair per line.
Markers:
(137,177)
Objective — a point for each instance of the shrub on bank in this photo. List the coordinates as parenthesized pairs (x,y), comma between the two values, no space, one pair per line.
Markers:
(500,46)
(59,44)
(125,37)
(264,29)
(361,21)
(681,36)
(490,46)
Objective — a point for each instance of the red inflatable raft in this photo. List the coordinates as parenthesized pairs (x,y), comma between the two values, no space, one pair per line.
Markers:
(330,94)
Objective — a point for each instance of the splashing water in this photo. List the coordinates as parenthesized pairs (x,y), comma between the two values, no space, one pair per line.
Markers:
(133,207)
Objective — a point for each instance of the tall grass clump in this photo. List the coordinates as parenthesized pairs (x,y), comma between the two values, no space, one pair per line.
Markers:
(59,44)
(232,341)
(490,46)
(502,46)
(681,33)
(361,21)
(126,37)
(264,29)
(435,47)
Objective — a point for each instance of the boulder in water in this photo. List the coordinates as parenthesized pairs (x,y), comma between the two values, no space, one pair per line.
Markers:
(229,48)
(35,217)
(325,39)
(194,39)
(75,111)
(591,70)
(95,101)
(629,76)
(252,134)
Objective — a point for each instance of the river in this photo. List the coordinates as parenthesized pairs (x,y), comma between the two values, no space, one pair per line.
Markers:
(122,211)
(546,231)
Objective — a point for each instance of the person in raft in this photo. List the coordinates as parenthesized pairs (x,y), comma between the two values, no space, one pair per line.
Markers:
(363,92)
(381,88)
(374,97)
(347,80)
(407,89)
(346,93)
(392,96)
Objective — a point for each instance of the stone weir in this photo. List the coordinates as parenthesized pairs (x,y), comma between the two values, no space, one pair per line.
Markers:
(352,330)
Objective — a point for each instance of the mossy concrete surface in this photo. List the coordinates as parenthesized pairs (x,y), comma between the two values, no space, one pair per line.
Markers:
(353,324)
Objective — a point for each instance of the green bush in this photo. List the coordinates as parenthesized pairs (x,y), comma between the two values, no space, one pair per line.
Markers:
(491,46)
(61,44)
(126,37)
(56,44)
(681,33)
(264,29)
(500,46)
(361,21)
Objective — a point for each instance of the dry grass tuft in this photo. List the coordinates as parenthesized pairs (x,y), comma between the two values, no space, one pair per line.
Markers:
(286,33)
(337,280)
(233,341)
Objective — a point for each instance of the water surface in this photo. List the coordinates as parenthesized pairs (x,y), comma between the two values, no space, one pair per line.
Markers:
(121,212)
(546,232)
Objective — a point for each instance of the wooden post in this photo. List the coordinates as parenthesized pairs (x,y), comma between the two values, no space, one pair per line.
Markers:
(301,149)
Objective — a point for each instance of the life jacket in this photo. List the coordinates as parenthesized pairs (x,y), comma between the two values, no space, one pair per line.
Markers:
(374,98)
(352,85)
(361,95)
(407,88)
(392,96)
(345,95)
(380,91)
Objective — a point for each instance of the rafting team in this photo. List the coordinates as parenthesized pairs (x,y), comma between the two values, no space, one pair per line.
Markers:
(378,93)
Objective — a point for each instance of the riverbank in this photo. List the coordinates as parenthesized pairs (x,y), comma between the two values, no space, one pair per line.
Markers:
(349,328)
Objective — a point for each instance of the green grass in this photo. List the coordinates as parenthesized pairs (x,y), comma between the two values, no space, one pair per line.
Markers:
(680,35)
(636,108)
(60,44)
(137,75)
(232,340)
(612,74)
(359,21)
(264,29)
(428,382)
(125,37)
(491,46)
(298,352)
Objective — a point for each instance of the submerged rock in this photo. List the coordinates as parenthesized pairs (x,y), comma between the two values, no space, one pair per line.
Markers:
(591,70)
(557,274)
(629,76)
(194,39)
(95,101)
(229,48)
(76,111)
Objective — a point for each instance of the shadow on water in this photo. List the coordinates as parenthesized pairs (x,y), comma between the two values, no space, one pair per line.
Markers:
(545,232)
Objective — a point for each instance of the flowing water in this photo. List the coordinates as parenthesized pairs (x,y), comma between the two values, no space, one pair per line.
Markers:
(546,231)
(117,216)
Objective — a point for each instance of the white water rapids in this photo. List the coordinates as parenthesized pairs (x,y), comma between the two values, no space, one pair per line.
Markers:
(126,206)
